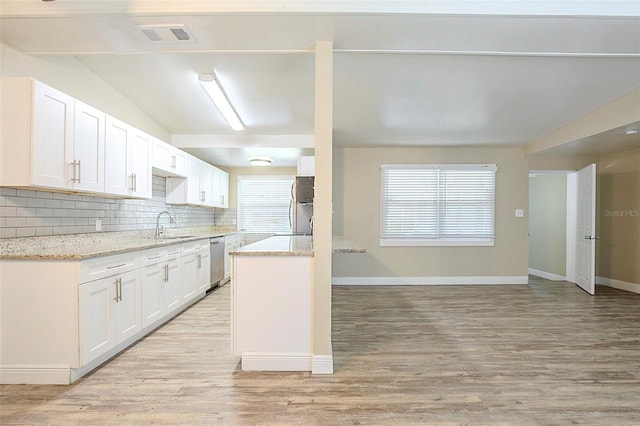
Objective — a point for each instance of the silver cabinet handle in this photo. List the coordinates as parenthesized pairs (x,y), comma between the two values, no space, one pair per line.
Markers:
(117,294)
(135,182)
(166,273)
(131,182)
(118,283)
(199,261)
(76,171)
(173,161)
(116,266)
(79,172)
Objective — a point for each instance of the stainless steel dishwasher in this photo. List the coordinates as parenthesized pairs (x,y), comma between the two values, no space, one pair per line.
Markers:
(217,260)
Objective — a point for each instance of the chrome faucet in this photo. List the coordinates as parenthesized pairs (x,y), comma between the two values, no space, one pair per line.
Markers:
(159,229)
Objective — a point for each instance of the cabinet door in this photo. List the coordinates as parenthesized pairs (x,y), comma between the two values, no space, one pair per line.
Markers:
(172,295)
(128,315)
(223,192)
(53,114)
(139,152)
(97,316)
(152,294)
(117,180)
(207,187)
(88,148)
(168,158)
(194,196)
(203,271)
(162,156)
(188,282)
(179,162)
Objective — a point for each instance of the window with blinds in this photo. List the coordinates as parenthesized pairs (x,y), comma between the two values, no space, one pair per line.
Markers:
(425,204)
(263,204)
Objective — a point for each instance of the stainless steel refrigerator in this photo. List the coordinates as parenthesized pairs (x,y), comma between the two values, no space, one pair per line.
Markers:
(302,206)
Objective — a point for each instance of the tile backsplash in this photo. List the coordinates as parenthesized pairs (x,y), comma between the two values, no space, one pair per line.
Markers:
(27,213)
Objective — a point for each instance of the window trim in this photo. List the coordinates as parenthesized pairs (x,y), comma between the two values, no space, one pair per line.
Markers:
(435,241)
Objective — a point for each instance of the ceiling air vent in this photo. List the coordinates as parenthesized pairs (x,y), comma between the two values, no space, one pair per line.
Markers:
(166,33)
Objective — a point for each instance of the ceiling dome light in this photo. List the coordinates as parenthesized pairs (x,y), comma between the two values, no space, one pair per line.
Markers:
(260,161)
(631,131)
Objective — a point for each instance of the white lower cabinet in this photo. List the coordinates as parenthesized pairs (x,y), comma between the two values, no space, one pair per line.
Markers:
(160,283)
(67,317)
(203,270)
(231,243)
(109,313)
(195,269)
(172,299)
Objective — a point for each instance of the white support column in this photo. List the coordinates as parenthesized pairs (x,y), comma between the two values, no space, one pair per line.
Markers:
(322,221)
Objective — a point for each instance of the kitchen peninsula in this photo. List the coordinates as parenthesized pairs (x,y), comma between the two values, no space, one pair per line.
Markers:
(271,302)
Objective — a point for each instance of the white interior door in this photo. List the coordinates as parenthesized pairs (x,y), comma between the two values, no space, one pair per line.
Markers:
(586,229)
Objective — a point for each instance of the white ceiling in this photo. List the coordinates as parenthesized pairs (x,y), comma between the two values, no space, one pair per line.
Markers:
(402,79)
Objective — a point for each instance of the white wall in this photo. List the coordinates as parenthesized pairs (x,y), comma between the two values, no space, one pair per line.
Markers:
(356,206)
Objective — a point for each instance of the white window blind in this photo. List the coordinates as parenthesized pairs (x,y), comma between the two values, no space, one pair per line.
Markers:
(263,203)
(452,204)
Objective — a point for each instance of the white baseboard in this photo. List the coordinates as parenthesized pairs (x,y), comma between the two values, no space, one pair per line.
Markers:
(322,364)
(523,279)
(18,374)
(270,361)
(546,275)
(620,285)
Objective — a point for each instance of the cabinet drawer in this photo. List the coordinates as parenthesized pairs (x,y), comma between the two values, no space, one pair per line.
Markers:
(153,256)
(101,267)
(160,254)
(195,247)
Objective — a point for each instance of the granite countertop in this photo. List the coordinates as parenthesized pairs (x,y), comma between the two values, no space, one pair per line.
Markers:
(295,245)
(87,246)
(342,244)
(292,245)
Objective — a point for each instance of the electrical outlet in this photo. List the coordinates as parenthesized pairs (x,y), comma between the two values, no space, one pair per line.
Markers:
(98,225)
(233,221)
(519,213)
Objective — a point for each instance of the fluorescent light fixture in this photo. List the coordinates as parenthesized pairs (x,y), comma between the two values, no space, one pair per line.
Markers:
(260,161)
(212,87)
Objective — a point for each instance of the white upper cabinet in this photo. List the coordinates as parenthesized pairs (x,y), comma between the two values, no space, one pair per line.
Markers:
(221,188)
(204,185)
(168,160)
(52,155)
(207,185)
(139,162)
(88,148)
(50,140)
(116,170)
(127,160)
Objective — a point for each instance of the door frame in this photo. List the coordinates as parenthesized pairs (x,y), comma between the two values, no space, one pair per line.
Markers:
(571,230)
(571,223)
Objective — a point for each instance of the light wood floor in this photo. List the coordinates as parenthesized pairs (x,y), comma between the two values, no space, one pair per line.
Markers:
(546,353)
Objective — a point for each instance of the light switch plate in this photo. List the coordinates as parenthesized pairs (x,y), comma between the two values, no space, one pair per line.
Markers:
(519,213)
